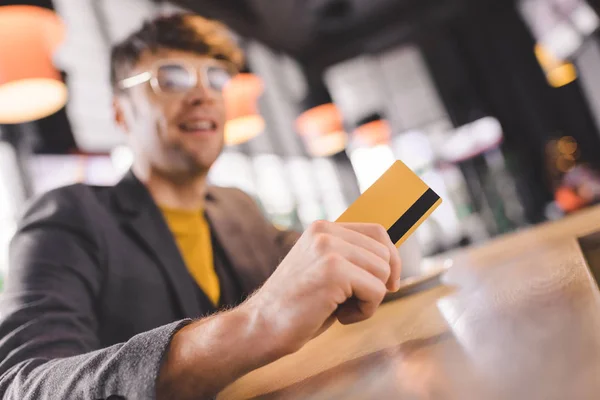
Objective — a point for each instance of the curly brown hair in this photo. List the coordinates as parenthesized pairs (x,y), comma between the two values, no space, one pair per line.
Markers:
(183,31)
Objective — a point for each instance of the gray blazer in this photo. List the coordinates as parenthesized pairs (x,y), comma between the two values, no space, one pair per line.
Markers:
(97,287)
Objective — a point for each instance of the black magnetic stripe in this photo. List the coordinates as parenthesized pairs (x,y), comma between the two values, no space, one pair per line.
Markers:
(412,215)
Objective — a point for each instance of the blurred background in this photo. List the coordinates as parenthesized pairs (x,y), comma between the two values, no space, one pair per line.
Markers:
(494,103)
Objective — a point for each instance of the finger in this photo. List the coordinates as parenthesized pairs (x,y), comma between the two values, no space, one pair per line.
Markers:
(361,257)
(393,283)
(375,231)
(364,237)
(349,313)
(379,234)
(368,293)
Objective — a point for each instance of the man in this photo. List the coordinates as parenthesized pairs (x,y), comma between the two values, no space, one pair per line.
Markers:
(104,282)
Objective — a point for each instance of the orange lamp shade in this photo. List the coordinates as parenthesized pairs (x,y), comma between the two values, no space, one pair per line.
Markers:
(558,73)
(373,133)
(244,121)
(562,75)
(322,130)
(326,145)
(30,86)
(320,120)
(568,200)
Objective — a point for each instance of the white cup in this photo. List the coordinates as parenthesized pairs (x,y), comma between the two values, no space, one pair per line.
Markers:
(411,255)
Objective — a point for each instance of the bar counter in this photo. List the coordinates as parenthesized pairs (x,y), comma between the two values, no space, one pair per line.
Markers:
(516,318)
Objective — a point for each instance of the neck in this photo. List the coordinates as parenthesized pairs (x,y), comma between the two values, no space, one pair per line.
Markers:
(182,192)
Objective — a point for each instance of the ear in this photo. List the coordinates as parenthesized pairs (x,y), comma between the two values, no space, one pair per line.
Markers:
(121,113)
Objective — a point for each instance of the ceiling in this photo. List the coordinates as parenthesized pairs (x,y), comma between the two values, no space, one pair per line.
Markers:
(313,30)
(316,32)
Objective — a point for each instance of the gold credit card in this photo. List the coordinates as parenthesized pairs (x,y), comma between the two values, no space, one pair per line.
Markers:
(399,200)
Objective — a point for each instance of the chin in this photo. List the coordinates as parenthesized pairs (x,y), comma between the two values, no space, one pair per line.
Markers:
(187,167)
(206,154)
(193,160)
(202,163)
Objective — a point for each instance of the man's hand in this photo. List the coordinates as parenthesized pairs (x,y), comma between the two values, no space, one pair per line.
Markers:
(334,271)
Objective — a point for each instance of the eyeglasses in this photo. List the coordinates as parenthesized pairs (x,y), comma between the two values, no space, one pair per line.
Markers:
(180,77)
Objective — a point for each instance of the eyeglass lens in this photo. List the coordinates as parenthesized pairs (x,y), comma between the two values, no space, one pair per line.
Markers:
(175,78)
(218,77)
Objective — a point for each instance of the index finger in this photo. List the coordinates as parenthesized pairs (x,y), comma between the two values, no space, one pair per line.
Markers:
(379,233)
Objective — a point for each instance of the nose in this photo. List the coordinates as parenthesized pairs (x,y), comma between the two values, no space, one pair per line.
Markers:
(200,95)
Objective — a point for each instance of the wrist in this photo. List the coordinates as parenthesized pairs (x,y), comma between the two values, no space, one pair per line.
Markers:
(263,333)
(209,354)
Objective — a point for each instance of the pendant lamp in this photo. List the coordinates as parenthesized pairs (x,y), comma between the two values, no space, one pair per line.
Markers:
(372,131)
(30,86)
(321,124)
(558,72)
(322,130)
(244,121)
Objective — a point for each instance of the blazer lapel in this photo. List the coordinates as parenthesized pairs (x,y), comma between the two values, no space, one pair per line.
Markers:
(229,227)
(144,222)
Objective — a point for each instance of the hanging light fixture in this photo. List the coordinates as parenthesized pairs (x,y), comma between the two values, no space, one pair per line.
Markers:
(372,131)
(30,86)
(244,121)
(558,73)
(321,125)
(322,130)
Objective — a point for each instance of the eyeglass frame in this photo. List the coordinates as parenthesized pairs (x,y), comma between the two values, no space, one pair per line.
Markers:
(150,75)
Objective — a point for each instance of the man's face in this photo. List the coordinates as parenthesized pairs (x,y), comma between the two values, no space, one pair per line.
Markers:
(178,134)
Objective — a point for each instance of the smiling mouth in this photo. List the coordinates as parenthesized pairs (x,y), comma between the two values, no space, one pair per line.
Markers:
(199,126)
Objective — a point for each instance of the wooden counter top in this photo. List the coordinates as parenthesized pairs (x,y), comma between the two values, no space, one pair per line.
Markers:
(518,318)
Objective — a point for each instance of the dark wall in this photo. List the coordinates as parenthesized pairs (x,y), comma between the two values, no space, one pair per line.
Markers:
(484,63)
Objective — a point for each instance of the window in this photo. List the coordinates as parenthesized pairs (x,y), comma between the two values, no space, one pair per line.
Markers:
(11,194)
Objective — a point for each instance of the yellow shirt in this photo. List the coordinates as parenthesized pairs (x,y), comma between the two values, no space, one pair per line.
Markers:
(192,234)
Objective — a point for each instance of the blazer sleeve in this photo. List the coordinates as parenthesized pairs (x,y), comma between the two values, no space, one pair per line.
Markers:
(49,347)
